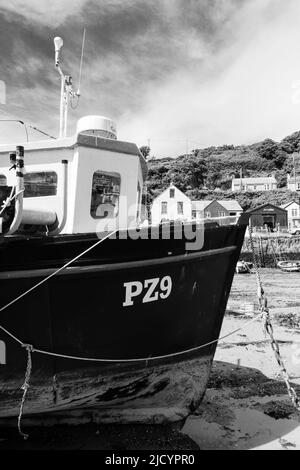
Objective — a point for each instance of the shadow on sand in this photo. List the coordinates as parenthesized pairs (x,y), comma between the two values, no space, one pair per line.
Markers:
(244,409)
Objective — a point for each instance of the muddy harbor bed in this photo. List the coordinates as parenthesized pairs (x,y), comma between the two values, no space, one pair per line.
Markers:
(246,405)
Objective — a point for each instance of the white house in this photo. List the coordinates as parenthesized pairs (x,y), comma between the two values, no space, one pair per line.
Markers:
(171,204)
(265,183)
(293,210)
(293,184)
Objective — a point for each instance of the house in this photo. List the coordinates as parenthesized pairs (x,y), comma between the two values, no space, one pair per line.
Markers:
(216,209)
(268,216)
(293,182)
(171,204)
(265,183)
(293,210)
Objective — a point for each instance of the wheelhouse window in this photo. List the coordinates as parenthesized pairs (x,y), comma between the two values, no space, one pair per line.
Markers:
(105,195)
(40,183)
(3,180)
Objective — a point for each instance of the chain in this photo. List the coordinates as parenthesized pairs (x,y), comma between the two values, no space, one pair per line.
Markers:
(25,387)
(268,328)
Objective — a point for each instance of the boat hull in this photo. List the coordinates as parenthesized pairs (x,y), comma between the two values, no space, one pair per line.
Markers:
(147,320)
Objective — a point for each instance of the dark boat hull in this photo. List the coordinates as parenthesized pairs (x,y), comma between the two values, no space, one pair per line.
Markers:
(89,312)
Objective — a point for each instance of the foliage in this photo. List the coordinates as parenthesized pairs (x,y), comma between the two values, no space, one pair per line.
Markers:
(211,169)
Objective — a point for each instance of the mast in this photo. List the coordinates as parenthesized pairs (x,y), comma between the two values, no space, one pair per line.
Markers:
(66,90)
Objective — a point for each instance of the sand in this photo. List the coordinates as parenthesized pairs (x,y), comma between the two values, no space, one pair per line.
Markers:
(246,405)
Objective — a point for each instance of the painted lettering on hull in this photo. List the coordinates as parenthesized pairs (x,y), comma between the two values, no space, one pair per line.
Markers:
(150,290)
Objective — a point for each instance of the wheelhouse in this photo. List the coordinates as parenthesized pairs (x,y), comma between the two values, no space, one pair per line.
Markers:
(85,183)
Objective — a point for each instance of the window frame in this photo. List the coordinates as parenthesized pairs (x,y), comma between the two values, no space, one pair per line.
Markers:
(104,173)
(164,204)
(180,205)
(29,173)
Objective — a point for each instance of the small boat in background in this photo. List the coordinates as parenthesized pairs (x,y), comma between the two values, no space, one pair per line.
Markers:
(289,266)
(243,267)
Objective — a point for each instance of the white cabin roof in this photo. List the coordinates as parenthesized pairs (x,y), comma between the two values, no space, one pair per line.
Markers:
(92,141)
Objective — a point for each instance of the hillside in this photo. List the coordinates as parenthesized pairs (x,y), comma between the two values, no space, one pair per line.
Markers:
(207,173)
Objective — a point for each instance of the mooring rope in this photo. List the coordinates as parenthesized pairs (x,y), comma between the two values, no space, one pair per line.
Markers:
(268,328)
(25,388)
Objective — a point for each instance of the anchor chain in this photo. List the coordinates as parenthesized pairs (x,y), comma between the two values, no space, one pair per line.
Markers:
(268,328)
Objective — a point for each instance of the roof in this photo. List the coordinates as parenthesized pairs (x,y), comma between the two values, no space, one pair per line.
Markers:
(258,180)
(231,205)
(112,145)
(291,180)
(264,205)
(228,204)
(171,186)
(287,204)
(200,205)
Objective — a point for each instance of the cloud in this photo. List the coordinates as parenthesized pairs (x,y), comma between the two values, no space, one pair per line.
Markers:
(212,71)
(54,12)
(240,94)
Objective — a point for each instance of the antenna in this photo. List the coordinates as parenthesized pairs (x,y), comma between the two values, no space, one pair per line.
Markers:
(81,62)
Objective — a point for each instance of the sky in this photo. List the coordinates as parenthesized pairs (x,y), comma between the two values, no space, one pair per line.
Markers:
(181,74)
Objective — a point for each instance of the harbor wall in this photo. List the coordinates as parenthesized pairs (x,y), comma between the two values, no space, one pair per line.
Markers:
(270,250)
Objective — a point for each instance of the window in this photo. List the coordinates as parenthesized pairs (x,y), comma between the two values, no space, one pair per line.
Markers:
(164,207)
(294,212)
(194,214)
(222,214)
(180,208)
(105,195)
(3,180)
(42,183)
(207,214)
(254,187)
(172,193)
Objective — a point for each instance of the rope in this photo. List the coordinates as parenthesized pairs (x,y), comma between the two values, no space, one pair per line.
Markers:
(56,272)
(7,201)
(25,388)
(268,328)
(152,358)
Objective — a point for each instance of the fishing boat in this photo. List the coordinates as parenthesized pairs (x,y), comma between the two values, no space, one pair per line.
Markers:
(108,318)
(289,266)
